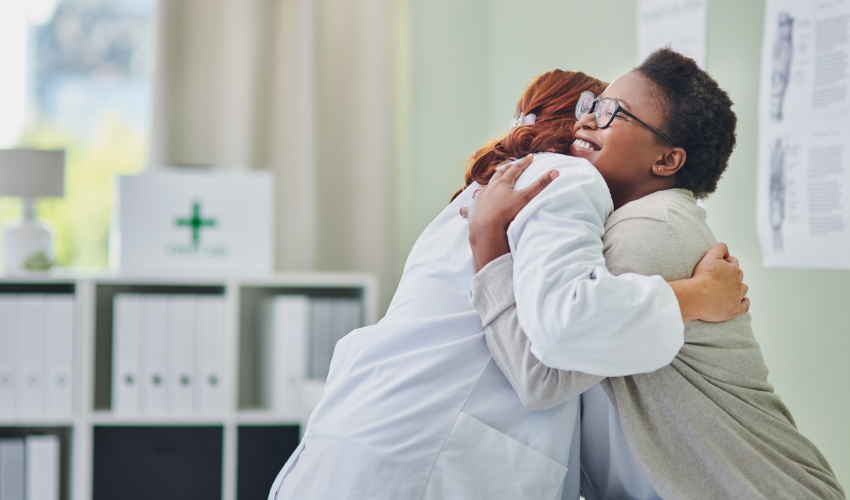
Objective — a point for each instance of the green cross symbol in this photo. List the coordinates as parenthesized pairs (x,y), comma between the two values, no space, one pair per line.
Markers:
(196,223)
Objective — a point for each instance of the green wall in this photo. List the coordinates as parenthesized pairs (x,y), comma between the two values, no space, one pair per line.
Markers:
(466,64)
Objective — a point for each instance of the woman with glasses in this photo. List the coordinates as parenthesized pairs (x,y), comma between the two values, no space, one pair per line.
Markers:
(707,425)
(415,408)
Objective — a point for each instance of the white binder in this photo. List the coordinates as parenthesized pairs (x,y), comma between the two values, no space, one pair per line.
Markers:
(12,479)
(59,354)
(210,330)
(345,317)
(42,467)
(8,356)
(126,337)
(153,350)
(353,315)
(285,326)
(321,346)
(30,344)
(181,351)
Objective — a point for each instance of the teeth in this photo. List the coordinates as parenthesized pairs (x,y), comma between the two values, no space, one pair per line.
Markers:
(583,144)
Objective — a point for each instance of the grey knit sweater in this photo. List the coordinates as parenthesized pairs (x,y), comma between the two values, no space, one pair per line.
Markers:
(707,426)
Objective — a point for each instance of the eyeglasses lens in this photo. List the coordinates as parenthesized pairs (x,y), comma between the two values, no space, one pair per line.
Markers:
(605,112)
(585,104)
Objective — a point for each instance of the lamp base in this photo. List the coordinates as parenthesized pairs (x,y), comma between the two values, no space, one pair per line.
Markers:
(27,247)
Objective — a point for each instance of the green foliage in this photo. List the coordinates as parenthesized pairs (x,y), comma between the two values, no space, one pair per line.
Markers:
(38,261)
(80,220)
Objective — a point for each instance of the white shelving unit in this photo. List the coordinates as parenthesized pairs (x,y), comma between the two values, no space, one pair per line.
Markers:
(93,358)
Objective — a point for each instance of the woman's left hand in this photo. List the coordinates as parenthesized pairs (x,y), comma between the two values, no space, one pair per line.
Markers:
(495,206)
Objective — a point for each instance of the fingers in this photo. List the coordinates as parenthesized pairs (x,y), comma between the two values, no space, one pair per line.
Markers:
(745,304)
(500,170)
(718,252)
(732,260)
(540,184)
(516,168)
(744,289)
(464,212)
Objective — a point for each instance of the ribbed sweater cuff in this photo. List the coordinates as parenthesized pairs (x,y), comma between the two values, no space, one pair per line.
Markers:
(491,290)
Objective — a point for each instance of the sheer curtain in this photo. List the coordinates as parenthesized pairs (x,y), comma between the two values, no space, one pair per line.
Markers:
(300,87)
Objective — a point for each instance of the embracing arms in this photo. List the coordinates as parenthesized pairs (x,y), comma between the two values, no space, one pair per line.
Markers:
(577,315)
(538,386)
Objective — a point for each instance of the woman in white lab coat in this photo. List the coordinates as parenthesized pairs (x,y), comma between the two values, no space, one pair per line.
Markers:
(416,408)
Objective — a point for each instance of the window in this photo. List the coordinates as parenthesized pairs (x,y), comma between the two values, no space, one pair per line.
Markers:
(77,77)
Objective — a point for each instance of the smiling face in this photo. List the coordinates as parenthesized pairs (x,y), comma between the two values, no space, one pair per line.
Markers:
(632,159)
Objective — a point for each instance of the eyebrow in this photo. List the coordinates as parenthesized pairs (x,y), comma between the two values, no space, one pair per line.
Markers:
(622,103)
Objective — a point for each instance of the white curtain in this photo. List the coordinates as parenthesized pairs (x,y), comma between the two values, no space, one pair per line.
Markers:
(301,87)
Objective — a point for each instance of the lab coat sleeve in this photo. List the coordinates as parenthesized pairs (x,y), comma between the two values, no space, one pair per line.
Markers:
(577,315)
(538,386)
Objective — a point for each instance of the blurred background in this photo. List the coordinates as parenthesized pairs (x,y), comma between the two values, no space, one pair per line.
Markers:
(366,111)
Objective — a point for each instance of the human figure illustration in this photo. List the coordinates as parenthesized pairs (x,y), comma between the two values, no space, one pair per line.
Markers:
(777,193)
(783,52)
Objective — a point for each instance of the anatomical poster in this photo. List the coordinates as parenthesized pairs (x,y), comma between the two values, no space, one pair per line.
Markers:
(803,209)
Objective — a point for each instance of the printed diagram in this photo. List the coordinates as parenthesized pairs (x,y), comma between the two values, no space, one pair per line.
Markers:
(783,52)
(777,193)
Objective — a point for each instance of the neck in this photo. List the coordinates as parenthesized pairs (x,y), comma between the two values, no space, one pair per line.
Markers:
(638,190)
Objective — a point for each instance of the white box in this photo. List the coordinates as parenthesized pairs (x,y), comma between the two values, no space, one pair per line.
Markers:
(8,358)
(30,344)
(153,352)
(59,355)
(42,467)
(126,355)
(180,221)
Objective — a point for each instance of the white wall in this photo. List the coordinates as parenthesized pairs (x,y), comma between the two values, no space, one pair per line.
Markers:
(469,62)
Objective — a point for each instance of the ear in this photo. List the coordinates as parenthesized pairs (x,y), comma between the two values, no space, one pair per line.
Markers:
(671,162)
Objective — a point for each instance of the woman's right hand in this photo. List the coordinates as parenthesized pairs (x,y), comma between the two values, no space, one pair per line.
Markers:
(495,206)
(716,292)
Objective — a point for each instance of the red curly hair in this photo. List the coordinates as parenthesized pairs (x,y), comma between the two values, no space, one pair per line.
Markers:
(551,96)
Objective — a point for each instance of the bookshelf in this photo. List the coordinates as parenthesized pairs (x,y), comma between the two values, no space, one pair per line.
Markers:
(102,452)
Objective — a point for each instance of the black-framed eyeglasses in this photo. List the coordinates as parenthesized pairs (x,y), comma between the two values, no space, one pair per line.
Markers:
(605,110)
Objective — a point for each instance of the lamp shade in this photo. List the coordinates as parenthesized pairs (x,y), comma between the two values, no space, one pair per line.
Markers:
(27,172)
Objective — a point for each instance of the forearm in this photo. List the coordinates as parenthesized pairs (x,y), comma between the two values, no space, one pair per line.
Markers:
(538,386)
(691,296)
(488,242)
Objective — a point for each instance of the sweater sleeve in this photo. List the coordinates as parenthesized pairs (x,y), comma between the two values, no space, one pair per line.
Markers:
(538,386)
(578,315)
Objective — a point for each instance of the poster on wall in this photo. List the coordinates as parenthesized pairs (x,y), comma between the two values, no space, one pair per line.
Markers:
(679,24)
(802,207)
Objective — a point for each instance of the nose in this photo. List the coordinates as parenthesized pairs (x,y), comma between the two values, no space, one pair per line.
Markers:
(586,121)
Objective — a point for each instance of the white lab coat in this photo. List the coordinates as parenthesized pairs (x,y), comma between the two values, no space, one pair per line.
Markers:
(416,408)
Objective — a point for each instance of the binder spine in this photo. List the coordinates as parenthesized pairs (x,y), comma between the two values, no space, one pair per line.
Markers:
(8,358)
(42,467)
(126,335)
(153,351)
(181,339)
(211,381)
(30,343)
(59,359)
(12,479)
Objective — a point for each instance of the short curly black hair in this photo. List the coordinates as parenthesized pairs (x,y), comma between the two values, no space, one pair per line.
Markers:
(699,118)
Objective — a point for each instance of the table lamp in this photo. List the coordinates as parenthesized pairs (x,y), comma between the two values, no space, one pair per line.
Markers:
(30,174)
